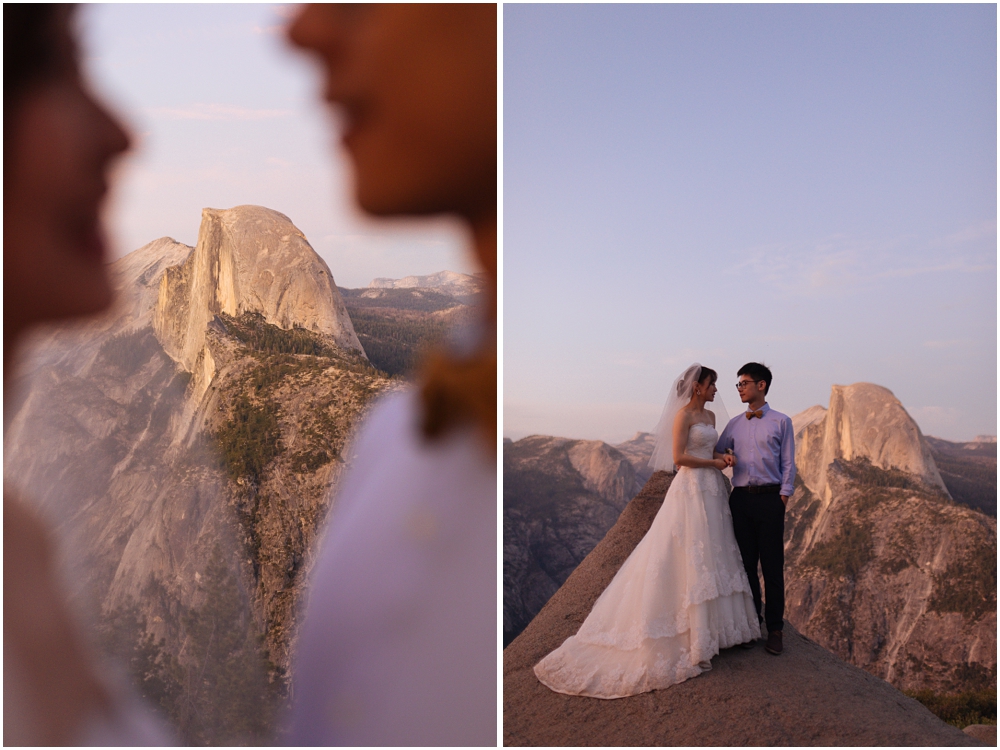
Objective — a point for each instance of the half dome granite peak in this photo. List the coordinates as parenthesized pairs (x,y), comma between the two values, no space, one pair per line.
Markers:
(864,421)
(248,259)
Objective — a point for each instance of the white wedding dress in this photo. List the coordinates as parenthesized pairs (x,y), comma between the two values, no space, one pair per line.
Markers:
(680,597)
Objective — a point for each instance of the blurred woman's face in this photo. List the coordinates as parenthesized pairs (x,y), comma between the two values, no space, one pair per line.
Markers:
(416,87)
(57,154)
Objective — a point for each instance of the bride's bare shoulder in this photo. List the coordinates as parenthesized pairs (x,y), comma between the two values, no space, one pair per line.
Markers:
(683,418)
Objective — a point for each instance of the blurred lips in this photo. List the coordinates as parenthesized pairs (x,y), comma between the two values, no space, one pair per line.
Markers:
(86,230)
(92,243)
(354,115)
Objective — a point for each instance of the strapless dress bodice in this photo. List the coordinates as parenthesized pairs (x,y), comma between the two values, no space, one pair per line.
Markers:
(702,439)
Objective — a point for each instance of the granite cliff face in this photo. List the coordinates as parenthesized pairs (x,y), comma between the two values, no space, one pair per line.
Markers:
(882,567)
(186,445)
(864,422)
(248,259)
(638,449)
(560,498)
(969,471)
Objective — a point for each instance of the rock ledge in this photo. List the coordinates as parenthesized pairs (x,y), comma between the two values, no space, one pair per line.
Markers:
(805,697)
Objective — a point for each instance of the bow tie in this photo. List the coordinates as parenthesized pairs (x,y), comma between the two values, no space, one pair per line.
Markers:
(759,414)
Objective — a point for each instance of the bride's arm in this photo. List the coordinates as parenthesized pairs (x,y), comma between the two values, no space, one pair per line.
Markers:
(682,423)
(727,457)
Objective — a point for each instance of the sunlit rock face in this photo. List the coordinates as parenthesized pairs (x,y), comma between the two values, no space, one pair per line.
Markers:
(185,447)
(864,421)
(248,259)
(885,565)
(882,567)
(807,697)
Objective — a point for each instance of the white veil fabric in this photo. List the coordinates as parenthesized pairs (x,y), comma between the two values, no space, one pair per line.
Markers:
(680,394)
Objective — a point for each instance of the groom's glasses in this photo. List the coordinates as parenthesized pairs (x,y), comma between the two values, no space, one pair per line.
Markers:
(744,383)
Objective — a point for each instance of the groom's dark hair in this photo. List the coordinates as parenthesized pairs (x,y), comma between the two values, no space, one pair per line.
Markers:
(758,372)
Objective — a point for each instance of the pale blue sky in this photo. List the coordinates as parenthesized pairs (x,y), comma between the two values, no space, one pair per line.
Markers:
(810,186)
(224,113)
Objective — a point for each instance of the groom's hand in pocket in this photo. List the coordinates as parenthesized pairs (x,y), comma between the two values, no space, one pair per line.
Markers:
(784,500)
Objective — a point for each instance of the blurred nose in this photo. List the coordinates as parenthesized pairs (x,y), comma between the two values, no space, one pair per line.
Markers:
(314,28)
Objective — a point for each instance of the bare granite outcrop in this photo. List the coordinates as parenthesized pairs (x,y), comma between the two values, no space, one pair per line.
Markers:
(459,285)
(185,447)
(560,497)
(248,259)
(806,697)
(864,421)
(881,566)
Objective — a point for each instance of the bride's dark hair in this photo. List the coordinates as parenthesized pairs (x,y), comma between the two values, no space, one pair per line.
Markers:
(703,374)
(707,372)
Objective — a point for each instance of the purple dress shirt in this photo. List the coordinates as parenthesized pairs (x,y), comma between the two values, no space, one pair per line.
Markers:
(764,448)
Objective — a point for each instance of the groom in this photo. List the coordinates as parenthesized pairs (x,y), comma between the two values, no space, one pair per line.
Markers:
(764,444)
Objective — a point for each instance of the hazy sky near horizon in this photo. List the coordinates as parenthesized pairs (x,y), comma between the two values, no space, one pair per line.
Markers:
(223,112)
(812,186)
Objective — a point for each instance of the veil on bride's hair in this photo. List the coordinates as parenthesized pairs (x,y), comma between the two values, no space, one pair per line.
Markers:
(680,394)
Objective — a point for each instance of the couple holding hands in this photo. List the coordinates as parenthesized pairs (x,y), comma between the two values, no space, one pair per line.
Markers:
(690,587)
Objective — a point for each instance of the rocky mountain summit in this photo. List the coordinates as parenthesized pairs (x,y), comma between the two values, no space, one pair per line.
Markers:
(248,259)
(882,567)
(186,445)
(806,697)
(864,422)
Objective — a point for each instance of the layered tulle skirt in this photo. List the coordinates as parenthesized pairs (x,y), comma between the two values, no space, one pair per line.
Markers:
(680,597)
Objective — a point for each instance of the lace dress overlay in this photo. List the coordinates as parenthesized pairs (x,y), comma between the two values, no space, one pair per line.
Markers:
(680,597)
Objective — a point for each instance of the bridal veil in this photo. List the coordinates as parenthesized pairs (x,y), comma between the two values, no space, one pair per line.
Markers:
(680,394)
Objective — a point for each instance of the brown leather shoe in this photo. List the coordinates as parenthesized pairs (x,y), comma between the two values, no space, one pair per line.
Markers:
(773,645)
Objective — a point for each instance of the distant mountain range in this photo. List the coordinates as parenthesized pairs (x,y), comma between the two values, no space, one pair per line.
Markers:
(188,444)
(890,556)
(459,285)
(396,320)
(560,497)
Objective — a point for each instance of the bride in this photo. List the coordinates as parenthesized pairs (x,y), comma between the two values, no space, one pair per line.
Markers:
(682,595)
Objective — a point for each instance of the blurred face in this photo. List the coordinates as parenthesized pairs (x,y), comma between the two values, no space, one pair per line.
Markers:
(416,87)
(57,153)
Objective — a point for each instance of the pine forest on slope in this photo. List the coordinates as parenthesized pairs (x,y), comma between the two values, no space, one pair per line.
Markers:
(396,324)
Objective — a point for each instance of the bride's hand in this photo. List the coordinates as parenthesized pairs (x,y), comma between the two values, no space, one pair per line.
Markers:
(730,459)
(719,463)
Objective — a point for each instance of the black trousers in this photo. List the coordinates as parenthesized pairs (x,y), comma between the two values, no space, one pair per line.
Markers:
(759,524)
